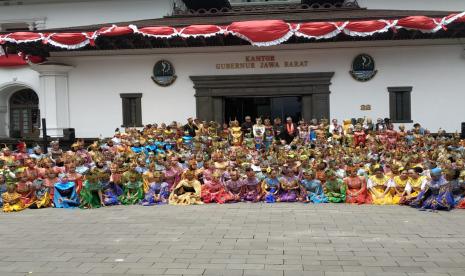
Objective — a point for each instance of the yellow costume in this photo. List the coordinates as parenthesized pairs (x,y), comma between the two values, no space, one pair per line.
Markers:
(414,186)
(8,197)
(400,187)
(377,186)
(187,192)
(236,133)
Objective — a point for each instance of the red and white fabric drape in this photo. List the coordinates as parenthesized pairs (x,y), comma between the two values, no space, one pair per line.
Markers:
(258,33)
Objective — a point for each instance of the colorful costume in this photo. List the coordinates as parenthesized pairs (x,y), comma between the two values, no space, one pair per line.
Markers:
(335,190)
(399,187)
(132,192)
(289,189)
(214,191)
(90,193)
(27,193)
(250,189)
(111,191)
(234,187)
(414,187)
(186,192)
(314,191)
(65,195)
(42,195)
(377,187)
(357,190)
(12,202)
(436,196)
(157,193)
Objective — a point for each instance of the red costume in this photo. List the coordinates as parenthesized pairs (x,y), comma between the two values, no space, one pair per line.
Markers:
(357,184)
(214,191)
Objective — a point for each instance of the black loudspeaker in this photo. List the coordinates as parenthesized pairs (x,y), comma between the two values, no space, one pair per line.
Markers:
(69,134)
(462,134)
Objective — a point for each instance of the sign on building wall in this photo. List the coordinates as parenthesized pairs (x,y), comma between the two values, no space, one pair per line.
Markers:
(163,73)
(363,68)
(261,62)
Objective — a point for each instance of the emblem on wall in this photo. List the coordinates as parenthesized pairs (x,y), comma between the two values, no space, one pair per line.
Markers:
(363,68)
(163,73)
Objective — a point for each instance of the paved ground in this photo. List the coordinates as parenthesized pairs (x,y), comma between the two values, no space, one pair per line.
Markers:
(238,239)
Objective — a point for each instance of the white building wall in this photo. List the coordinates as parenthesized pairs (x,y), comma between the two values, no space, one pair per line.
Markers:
(436,5)
(435,72)
(61,15)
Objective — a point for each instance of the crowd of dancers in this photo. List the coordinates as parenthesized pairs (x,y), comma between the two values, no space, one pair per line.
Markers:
(358,162)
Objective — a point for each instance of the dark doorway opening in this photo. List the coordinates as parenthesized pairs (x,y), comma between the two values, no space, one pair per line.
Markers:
(236,108)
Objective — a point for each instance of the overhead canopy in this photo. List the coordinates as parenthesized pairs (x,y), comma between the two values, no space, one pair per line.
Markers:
(257,33)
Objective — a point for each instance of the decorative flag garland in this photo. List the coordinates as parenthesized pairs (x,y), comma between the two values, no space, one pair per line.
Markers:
(258,33)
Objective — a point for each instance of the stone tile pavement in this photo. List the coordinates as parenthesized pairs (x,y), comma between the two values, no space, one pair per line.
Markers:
(238,239)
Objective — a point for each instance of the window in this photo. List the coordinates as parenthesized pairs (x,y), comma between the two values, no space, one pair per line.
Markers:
(399,104)
(132,111)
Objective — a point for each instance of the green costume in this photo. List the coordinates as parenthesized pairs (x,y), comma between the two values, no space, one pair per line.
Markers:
(133,192)
(335,191)
(89,194)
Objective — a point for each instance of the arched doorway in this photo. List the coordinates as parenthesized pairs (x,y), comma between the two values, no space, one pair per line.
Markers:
(24,114)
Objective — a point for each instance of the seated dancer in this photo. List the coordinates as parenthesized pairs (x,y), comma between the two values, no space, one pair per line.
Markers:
(213,191)
(234,185)
(250,187)
(110,190)
(415,185)
(91,194)
(50,180)
(356,187)
(12,200)
(158,191)
(3,187)
(312,188)
(335,189)
(25,189)
(133,190)
(290,189)
(187,191)
(270,186)
(379,186)
(42,194)
(457,186)
(65,195)
(437,193)
(74,176)
(400,183)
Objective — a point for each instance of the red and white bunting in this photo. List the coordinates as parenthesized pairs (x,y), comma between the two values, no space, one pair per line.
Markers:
(258,32)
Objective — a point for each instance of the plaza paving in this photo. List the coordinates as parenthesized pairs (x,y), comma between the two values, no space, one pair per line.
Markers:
(238,239)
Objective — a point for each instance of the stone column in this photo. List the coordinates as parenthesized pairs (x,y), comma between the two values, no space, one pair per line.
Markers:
(54,96)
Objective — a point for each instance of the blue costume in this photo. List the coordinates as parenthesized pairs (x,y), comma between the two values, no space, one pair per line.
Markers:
(270,196)
(314,190)
(437,194)
(2,190)
(160,189)
(271,187)
(65,195)
(111,192)
(187,141)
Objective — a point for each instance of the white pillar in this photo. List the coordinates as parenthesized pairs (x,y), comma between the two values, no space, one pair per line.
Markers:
(54,96)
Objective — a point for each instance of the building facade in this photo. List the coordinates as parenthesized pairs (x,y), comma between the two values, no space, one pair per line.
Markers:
(94,91)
